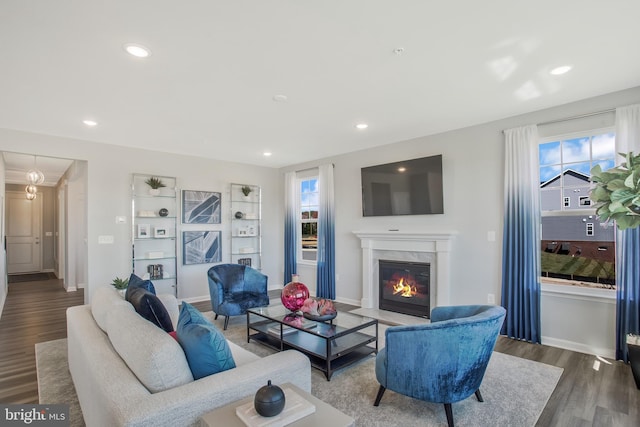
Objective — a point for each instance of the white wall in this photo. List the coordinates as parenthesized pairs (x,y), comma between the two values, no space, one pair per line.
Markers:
(473,166)
(108,195)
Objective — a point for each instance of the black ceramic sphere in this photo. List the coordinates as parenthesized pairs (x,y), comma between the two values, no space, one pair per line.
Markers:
(269,400)
(239,215)
(163,212)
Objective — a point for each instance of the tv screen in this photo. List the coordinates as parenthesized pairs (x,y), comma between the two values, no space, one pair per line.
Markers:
(410,187)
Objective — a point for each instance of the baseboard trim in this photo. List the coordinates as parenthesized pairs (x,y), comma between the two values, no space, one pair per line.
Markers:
(349,301)
(191,300)
(579,347)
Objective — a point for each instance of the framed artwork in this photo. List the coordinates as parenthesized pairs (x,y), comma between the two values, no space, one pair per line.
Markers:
(160,232)
(144,231)
(201,247)
(200,207)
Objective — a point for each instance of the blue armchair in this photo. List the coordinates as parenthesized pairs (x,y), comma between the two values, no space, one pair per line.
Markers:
(234,288)
(440,362)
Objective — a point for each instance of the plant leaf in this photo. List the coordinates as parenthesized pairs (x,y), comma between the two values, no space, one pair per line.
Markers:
(630,182)
(599,194)
(616,207)
(616,184)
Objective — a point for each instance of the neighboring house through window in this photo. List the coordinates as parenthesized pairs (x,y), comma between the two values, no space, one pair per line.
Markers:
(308,220)
(576,246)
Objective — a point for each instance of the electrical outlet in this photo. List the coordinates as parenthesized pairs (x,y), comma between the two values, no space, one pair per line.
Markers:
(491,299)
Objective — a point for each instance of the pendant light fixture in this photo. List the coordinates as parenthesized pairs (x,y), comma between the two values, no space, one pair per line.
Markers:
(35,176)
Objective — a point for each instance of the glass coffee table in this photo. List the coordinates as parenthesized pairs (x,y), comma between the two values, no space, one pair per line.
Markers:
(330,345)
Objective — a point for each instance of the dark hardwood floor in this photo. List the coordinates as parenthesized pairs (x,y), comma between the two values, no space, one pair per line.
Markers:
(585,396)
(33,312)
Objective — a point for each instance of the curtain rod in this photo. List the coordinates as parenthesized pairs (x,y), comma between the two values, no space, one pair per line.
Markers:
(579,116)
(312,168)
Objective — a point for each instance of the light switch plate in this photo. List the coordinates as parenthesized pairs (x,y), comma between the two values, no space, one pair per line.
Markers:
(105,240)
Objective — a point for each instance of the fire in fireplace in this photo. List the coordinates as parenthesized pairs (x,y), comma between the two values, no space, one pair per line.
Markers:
(404,287)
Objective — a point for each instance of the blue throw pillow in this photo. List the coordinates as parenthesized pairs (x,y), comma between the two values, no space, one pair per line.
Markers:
(136,282)
(204,345)
(190,314)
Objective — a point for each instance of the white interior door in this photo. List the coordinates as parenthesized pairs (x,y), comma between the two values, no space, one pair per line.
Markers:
(23,233)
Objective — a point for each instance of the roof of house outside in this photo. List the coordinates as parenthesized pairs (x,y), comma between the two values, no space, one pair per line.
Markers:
(571,172)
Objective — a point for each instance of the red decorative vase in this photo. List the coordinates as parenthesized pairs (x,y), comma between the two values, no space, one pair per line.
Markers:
(294,294)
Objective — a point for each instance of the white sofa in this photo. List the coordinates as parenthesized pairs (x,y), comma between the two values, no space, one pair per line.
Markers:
(108,341)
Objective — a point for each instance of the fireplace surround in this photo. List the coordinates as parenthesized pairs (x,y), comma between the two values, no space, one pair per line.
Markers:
(433,247)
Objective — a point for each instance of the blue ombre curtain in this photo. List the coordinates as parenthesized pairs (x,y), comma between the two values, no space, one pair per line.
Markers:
(326,274)
(290,229)
(521,235)
(628,242)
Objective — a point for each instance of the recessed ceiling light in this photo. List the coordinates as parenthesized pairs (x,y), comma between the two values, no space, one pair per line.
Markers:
(89,122)
(560,70)
(266,153)
(362,126)
(402,169)
(398,50)
(280,98)
(137,50)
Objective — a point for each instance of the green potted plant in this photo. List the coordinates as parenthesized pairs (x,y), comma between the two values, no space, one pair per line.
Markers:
(120,284)
(156,184)
(246,190)
(617,192)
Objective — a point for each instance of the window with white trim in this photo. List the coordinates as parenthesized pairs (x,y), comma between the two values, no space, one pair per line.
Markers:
(584,201)
(575,246)
(589,229)
(308,200)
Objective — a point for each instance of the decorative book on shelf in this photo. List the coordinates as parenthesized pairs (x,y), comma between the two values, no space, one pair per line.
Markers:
(295,407)
(244,261)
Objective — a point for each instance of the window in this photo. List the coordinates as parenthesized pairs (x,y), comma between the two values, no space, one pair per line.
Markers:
(589,229)
(571,234)
(309,202)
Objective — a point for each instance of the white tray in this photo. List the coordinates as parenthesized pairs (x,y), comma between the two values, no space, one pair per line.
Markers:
(295,407)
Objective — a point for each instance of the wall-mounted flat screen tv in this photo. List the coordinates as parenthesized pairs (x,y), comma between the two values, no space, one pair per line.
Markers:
(410,187)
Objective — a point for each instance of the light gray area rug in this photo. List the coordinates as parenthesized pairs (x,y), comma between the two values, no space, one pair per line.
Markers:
(515,390)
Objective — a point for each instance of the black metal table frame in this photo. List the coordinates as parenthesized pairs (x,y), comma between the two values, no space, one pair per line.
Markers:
(327,362)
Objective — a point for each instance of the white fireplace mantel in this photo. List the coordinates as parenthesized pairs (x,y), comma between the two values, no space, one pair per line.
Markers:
(416,245)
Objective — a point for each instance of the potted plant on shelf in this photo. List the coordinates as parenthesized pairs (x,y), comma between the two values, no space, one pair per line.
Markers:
(156,184)
(246,190)
(617,192)
(120,284)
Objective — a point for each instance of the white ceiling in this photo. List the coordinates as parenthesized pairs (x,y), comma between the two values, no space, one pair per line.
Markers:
(208,87)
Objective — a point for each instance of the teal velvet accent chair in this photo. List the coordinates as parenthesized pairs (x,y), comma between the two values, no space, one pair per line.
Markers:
(443,361)
(235,288)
